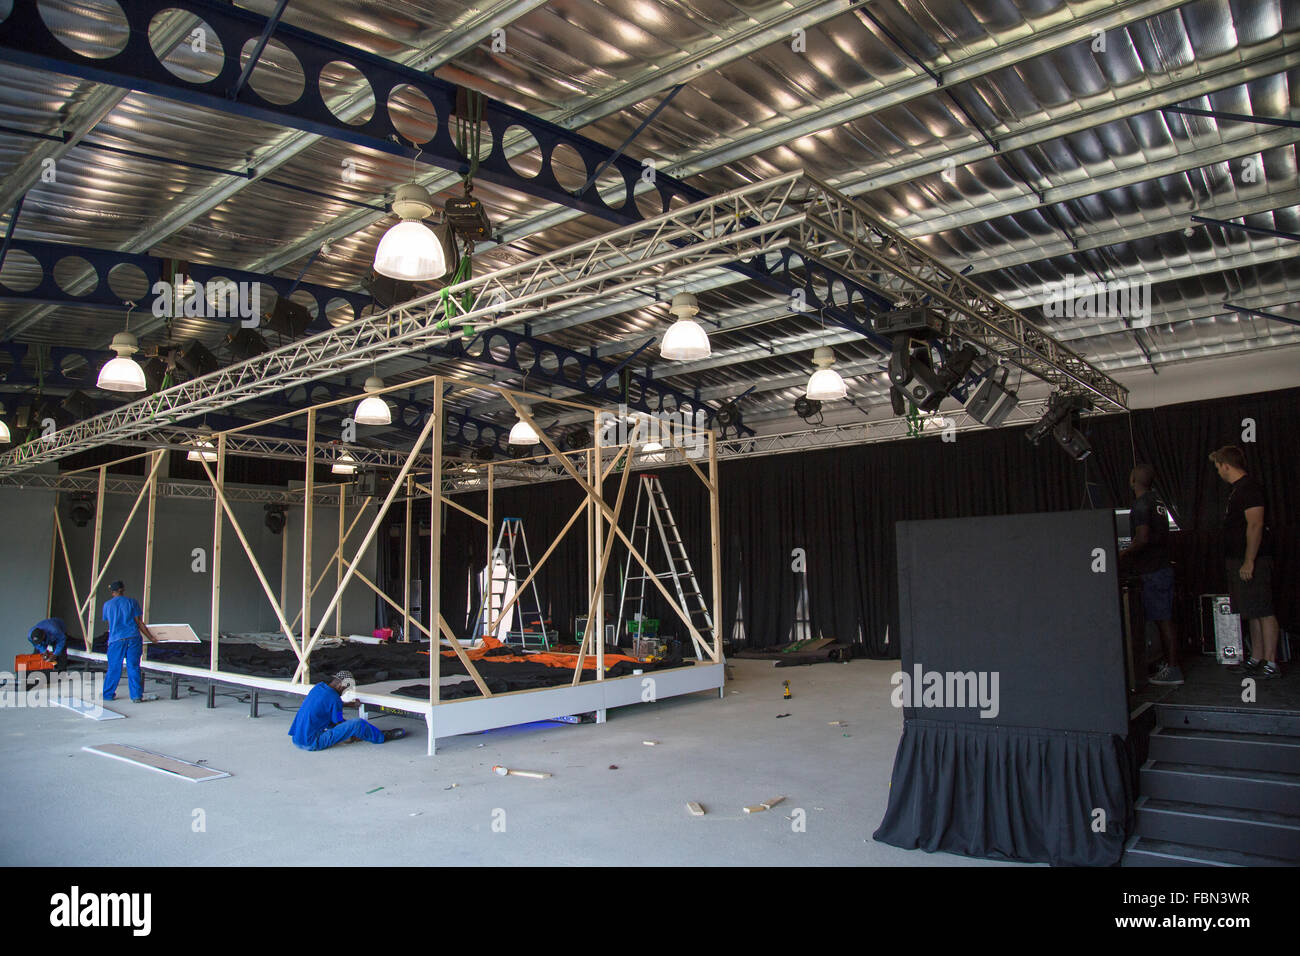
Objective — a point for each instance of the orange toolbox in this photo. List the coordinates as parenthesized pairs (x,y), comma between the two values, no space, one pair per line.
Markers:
(32,662)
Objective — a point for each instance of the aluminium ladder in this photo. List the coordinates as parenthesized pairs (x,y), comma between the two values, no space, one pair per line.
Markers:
(503,575)
(657,518)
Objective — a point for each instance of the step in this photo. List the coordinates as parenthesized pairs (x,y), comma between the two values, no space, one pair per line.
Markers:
(1142,851)
(1218,748)
(1245,720)
(1226,828)
(1221,786)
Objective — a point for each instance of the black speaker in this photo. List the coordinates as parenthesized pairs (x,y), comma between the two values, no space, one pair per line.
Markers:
(197,360)
(244,344)
(288,318)
(390,292)
(79,406)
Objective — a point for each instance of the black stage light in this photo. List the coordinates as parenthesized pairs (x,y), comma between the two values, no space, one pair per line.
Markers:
(807,408)
(276,518)
(729,414)
(82,508)
(244,344)
(197,360)
(1061,419)
(1071,438)
(288,318)
(579,438)
(482,453)
(992,401)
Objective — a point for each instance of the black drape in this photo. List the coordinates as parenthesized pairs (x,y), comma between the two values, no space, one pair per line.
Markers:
(840,506)
(1010,793)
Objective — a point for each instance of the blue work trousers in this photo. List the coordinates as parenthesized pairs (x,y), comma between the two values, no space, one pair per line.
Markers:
(349,728)
(128,650)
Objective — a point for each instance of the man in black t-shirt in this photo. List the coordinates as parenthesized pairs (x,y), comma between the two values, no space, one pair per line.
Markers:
(1248,557)
(1148,556)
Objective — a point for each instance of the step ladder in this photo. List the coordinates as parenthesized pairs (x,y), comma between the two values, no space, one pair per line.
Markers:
(510,564)
(653,521)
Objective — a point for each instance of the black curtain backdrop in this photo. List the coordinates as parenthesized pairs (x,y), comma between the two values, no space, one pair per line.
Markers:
(840,506)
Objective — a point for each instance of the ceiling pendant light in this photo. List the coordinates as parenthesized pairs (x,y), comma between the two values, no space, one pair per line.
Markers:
(410,251)
(523,433)
(373,410)
(123,374)
(5,437)
(203,449)
(685,340)
(344,464)
(826,384)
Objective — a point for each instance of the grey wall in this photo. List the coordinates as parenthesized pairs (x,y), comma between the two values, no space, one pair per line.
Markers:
(183,595)
(24,565)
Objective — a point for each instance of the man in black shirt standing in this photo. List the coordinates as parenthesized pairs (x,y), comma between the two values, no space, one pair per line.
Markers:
(1248,556)
(1148,555)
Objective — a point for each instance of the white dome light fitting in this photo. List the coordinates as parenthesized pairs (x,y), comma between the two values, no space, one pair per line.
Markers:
(825,385)
(345,464)
(123,374)
(373,410)
(685,340)
(5,437)
(522,433)
(410,251)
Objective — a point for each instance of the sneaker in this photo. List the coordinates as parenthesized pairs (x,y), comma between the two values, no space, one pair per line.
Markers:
(1250,666)
(1167,676)
(1270,671)
(396,733)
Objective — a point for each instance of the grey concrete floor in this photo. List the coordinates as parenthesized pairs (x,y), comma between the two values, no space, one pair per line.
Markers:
(286,806)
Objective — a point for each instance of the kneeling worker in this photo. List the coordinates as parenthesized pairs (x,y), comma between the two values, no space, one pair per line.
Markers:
(319,722)
(49,638)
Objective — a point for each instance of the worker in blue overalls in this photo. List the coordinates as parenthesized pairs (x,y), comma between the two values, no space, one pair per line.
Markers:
(125,620)
(319,722)
(49,638)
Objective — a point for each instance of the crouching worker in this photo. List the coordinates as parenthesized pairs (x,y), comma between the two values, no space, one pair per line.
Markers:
(319,722)
(49,638)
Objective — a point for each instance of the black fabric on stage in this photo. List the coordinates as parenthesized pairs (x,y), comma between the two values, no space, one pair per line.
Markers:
(1009,793)
(501,677)
(369,663)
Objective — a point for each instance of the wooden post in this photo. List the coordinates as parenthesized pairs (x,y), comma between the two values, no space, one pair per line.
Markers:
(117,542)
(489,568)
(148,535)
(309,488)
(215,567)
(99,531)
(284,563)
(716,536)
(72,580)
(54,534)
(406,561)
(598,608)
(592,557)
(435,559)
(338,577)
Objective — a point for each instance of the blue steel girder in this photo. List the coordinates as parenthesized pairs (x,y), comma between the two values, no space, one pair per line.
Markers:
(557,365)
(25,39)
(111,266)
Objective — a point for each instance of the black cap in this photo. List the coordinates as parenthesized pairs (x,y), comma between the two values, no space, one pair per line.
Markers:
(117,586)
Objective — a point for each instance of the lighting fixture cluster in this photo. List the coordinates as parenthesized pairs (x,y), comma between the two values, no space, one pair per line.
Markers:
(1062,420)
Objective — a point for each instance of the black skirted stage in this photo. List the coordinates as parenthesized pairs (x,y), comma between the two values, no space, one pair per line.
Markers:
(1015,733)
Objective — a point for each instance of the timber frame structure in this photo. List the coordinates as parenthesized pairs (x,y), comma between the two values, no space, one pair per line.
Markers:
(418,473)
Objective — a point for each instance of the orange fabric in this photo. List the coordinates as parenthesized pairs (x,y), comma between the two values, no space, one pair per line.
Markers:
(549,659)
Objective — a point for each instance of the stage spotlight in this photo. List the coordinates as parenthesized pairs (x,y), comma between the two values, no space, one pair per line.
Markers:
(992,401)
(483,453)
(288,318)
(729,414)
(579,438)
(808,408)
(1070,437)
(79,406)
(1062,420)
(276,518)
(82,508)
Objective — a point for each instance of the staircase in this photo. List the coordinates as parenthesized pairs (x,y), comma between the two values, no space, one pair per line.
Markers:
(1220,787)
